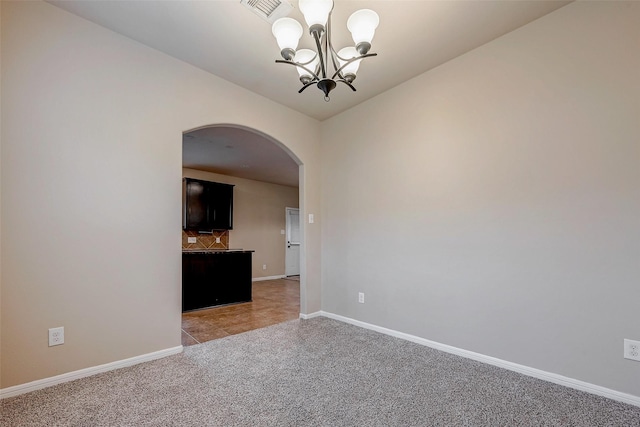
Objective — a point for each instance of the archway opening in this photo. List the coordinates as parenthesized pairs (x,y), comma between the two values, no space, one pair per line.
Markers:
(267,186)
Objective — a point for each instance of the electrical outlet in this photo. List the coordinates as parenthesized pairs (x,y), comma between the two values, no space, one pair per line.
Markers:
(56,336)
(191,240)
(632,350)
(361,297)
(264,266)
(217,240)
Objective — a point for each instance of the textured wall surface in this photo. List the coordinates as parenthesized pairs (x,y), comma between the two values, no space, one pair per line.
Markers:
(92,127)
(493,203)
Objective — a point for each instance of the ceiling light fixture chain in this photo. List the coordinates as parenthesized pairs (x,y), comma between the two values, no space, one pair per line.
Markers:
(312,66)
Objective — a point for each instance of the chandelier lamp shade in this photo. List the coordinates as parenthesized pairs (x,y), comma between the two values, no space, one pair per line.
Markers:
(313,65)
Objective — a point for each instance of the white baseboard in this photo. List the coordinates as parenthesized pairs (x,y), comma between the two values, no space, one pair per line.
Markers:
(311,315)
(70,376)
(526,370)
(260,279)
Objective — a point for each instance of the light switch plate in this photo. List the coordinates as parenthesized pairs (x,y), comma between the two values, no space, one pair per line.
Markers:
(310,218)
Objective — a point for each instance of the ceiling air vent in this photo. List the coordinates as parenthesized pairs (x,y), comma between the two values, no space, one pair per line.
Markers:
(269,10)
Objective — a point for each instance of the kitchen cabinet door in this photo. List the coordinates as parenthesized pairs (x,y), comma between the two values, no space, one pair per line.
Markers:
(221,203)
(207,205)
(196,205)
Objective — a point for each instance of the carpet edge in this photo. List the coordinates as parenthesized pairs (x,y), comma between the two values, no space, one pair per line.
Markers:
(511,366)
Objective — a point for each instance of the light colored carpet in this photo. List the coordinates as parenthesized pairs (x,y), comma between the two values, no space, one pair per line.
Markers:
(316,372)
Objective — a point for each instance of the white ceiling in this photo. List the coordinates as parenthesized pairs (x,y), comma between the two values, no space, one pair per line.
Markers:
(238,152)
(228,40)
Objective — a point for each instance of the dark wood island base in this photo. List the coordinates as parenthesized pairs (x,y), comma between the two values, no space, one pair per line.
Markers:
(215,277)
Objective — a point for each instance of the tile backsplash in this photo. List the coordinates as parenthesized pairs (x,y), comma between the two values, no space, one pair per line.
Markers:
(206,241)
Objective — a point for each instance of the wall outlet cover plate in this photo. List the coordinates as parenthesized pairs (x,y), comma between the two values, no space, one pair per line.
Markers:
(632,350)
(56,336)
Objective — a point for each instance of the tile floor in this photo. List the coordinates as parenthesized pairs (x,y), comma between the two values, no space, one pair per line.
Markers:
(274,301)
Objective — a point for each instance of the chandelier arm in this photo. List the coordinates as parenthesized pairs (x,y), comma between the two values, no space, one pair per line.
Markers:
(347,83)
(330,50)
(335,67)
(295,64)
(334,56)
(338,71)
(307,85)
(323,68)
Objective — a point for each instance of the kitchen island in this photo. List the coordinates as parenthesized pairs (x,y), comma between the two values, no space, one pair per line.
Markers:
(213,277)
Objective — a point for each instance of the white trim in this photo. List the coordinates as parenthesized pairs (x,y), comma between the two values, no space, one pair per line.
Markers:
(260,279)
(287,244)
(526,370)
(70,376)
(311,315)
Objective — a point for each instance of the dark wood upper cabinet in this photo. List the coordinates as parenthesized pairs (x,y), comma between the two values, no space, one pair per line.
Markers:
(207,205)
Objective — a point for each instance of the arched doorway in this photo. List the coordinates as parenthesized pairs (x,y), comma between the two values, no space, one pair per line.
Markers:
(266,179)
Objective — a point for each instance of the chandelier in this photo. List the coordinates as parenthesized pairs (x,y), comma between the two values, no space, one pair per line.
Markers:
(312,65)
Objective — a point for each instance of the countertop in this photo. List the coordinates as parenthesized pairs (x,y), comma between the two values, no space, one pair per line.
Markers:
(213,251)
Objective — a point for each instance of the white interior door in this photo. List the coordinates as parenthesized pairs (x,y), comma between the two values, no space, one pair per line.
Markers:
(292,254)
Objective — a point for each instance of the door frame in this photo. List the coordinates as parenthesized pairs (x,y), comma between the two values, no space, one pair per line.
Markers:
(287,243)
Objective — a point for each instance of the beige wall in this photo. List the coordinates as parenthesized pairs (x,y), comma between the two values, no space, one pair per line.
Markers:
(0,190)
(493,204)
(258,217)
(92,127)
